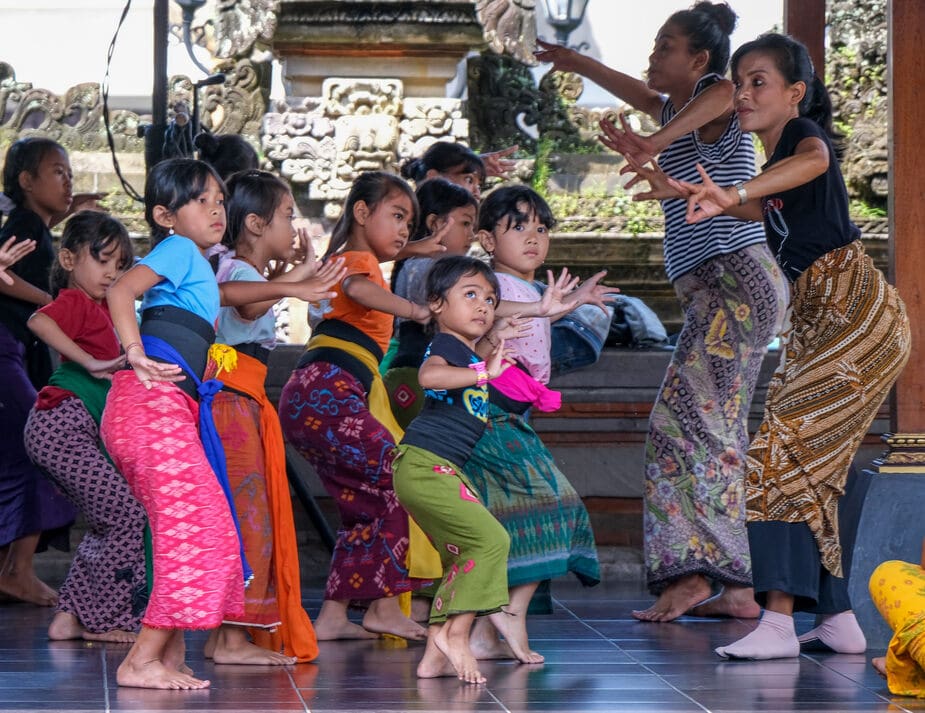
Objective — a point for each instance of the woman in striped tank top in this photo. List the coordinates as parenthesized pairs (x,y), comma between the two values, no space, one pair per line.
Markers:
(732,295)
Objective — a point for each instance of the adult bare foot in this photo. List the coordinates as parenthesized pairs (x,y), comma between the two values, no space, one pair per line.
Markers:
(485,644)
(385,617)
(114,636)
(154,674)
(434,664)
(332,623)
(456,649)
(514,630)
(26,587)
(733,602)
(232,646)
(65,626)
(677,598)
(879,665)
(420,609)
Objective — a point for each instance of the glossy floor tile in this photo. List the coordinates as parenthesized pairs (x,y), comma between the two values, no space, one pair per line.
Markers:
(598,658)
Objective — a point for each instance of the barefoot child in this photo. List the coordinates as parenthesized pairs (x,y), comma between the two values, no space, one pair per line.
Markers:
(105,592)
(513,472)
(37,181)
(462,293)
(151,425)
(260,229)
(334,410)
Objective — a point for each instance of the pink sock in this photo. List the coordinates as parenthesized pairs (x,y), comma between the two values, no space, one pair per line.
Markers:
(840,632)
(774,638)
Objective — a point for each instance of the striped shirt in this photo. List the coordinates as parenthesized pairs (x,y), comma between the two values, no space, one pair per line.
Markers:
(731,158)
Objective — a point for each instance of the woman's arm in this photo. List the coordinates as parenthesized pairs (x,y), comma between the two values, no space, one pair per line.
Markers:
(633,91)
(372,296)
(46,329)
(809,160)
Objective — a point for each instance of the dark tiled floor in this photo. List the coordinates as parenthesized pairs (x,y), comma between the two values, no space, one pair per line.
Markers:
(597,659)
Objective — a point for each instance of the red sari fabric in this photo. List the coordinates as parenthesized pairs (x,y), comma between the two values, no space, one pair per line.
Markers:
(153,439)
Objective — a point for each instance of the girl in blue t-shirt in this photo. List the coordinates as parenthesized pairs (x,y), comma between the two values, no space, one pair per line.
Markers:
(462,294)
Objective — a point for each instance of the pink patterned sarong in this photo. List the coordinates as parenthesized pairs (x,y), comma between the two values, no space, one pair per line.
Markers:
(153,438)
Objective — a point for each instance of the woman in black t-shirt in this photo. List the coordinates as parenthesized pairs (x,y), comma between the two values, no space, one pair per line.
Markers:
(847,342)
(462,294)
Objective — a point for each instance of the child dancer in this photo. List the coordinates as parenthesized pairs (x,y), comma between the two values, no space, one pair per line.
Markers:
(462,294)
(260,229)
(514,474)
(37,180)
(151,430)
(104,593)
(848,341)
(335,411)
(450,210)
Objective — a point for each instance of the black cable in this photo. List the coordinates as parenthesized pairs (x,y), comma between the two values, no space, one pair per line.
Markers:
(129,189)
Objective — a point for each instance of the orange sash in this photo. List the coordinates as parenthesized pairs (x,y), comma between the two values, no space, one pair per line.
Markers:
(295,635)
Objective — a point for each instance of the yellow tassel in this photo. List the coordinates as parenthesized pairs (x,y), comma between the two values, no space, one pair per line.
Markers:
(225,357)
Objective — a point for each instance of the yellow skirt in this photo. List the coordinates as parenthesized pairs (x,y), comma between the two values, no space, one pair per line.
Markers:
(898,590)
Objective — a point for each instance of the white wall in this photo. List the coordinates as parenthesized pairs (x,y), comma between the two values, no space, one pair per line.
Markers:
(621,32)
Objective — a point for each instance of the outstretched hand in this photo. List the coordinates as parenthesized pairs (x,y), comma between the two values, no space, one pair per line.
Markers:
(661,186)
(557,297)
(497,164)
(428,246)
(497,363)
(317,287)
(12,252)
(148,371)
(591,292)
(626,141)
(704,200)
(104,368)
(562,58)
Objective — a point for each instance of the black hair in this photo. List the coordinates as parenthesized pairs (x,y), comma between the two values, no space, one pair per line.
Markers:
(371,187)
(174,183)
(226,153)
(444,157)
(793,62)
(440,197)
(25,155)
(96,231)
(507,202)
(257,192)
(707,26)
(447,271)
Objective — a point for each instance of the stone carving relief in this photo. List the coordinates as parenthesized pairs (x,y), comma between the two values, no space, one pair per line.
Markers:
(509,27)
(323,143)
(239,24)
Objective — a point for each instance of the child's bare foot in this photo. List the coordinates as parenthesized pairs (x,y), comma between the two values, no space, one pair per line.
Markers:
(732,601)
(514,630)
(26,587)
(384,616)
(434,664)
(456,649)
(879,665)
(113,636)
(677,598)
(65,626)
(230,645)
(154,674)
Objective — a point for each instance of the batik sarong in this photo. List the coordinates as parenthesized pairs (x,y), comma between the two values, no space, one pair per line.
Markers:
(898,590)
(153,439)
(472,544)
(105,587)
(249,427)
(698,429)
(325,415)
(846,344)
(517,480)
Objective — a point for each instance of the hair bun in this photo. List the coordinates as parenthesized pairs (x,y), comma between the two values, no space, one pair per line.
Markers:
(413,169)
(723,15)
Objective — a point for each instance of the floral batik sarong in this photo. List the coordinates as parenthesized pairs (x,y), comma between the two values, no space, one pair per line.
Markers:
(698,429)
(325,415)
(153,439)
(898,590)
(518,481)
(847,342)
(472,545)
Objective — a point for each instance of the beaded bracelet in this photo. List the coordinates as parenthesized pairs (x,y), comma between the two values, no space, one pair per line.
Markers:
(481,373)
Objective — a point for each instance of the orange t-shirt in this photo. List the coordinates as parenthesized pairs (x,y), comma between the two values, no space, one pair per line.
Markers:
(377,325)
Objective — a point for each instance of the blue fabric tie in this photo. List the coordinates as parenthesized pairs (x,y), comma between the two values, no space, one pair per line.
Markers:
(208,434)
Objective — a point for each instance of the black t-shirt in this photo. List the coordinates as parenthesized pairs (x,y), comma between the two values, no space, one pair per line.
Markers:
(808,221)
(34,268)
(450,422)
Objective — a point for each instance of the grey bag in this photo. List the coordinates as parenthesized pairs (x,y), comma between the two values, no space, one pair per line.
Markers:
(635,324)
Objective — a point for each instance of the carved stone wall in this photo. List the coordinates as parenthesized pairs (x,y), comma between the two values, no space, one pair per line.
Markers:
(322,143)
